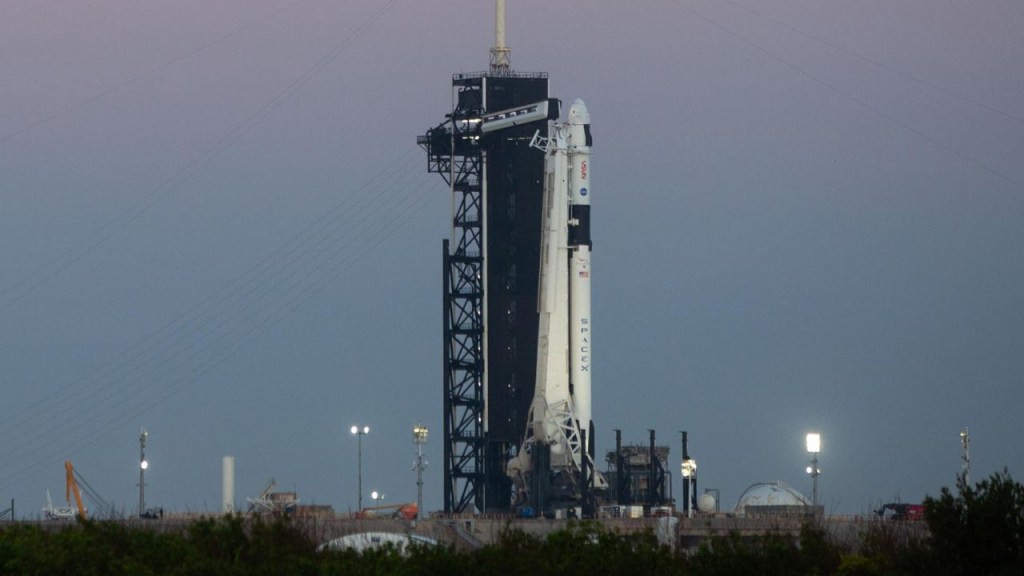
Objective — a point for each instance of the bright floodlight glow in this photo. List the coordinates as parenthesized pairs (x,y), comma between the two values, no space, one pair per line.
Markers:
(810,470)
(689,468)
(373,494)
(814,443)
(144,464)
(364,430)
(419,434)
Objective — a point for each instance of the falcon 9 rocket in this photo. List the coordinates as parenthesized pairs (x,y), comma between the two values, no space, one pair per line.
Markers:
(555,462)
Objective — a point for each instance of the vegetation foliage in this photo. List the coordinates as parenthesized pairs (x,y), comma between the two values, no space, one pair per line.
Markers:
(978,530)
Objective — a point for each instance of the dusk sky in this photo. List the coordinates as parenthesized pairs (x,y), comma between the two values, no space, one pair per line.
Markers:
(216,224)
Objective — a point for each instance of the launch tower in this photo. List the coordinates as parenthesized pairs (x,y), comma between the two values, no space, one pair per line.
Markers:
(490,273)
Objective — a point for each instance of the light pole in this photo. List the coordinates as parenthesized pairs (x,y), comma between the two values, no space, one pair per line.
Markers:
(965,442)
(360,432)
(814,448)
(688,470)
(419,437)
(143,464)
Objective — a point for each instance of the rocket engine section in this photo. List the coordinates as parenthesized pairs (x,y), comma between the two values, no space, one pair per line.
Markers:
(555,464)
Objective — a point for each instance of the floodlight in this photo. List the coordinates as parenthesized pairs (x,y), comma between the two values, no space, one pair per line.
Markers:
(359,433)
(419,434)
(814,448)
(689,468)
(419,437)
(814,443)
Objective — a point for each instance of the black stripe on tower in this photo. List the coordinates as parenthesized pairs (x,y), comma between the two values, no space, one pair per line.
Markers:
(579,234)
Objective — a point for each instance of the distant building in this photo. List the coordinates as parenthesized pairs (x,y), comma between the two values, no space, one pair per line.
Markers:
(319,510)
(639,475)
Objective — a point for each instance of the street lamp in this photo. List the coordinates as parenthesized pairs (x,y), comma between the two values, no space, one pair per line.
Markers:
(360,432)
(814,448)
(143,464)
(419,437)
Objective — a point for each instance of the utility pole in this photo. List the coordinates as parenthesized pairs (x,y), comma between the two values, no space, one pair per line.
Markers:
(965,442)
(419,437)
(142,471)
(359,432)
(689,474)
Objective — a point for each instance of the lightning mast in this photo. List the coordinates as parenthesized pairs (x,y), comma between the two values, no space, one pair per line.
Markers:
(501,55)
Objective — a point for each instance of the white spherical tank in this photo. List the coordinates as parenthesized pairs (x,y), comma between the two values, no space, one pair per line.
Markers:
(706,503)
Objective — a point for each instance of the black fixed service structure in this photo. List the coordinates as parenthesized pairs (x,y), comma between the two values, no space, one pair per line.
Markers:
(490,270)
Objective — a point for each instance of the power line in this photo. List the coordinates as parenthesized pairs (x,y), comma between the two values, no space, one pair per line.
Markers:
(858,101)
(233,294)
(222,345)
(236,294)
(874,62)
(151,72)
(122,220)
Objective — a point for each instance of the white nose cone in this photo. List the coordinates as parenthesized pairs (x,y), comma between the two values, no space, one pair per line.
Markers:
(578,113)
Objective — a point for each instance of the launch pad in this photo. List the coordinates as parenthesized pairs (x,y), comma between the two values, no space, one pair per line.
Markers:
(518,433)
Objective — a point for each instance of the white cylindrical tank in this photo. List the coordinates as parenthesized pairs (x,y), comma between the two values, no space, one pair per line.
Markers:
(228,487)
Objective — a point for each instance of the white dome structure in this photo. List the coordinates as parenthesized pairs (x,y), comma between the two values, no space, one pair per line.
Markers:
(364,541)
(770,497)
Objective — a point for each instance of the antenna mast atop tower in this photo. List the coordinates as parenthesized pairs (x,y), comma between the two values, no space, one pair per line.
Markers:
(501,55)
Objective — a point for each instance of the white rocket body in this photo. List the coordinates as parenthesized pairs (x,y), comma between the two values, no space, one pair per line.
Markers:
(580,326)
(552,397)
(561,407)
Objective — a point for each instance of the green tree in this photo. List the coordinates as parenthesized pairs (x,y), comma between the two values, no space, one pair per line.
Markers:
(980,530)
(819,554)
(771,554)
(890,548)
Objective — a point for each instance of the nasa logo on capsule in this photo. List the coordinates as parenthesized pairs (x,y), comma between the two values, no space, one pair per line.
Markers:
(583,191)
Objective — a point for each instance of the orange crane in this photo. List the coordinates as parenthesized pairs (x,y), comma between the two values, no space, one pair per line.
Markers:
(72,488)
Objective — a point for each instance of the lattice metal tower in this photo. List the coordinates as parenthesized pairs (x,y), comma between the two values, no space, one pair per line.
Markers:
(490,267)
